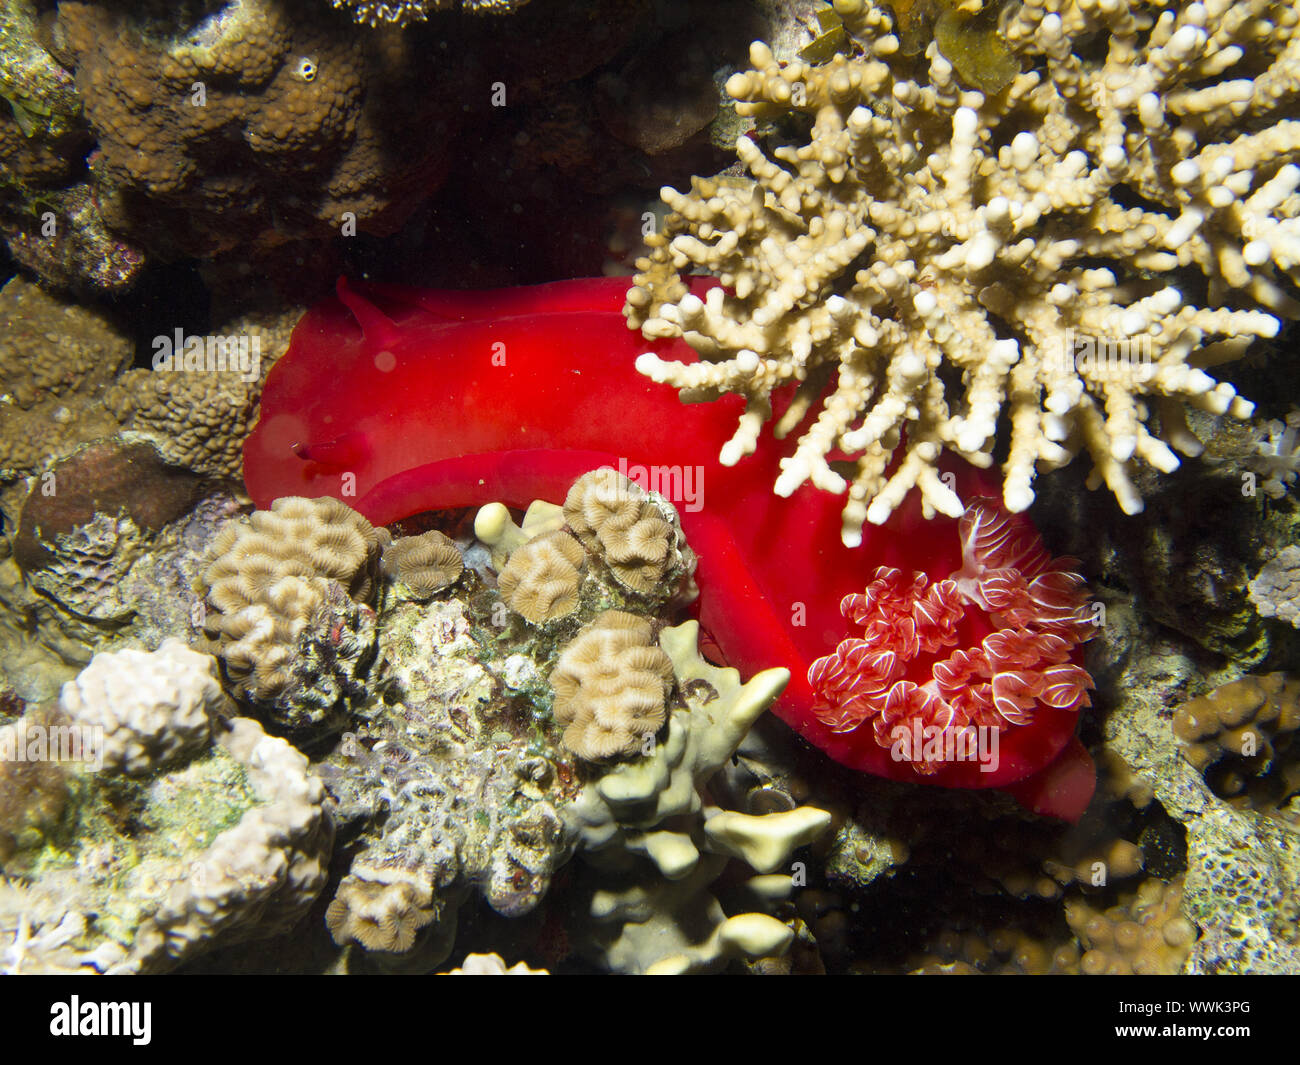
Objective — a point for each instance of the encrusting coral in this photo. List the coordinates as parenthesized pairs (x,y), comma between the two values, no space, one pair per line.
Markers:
(291,588)
(171,844)
(611,684)
(932,262)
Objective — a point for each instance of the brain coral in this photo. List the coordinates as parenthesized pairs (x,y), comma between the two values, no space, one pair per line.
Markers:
(424,564)
(290,588)
(154,708)
(636,533)
(542,577)
(611,684)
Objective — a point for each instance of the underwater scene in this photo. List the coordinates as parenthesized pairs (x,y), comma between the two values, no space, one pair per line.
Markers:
(763,487)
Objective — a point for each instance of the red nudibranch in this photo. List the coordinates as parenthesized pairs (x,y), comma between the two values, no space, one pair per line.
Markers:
(937,651)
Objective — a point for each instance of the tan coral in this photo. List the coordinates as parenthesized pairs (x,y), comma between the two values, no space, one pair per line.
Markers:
(542,578)
(611,687)
(924,226)
(636,533)
(424,565)
(1145,934)
(1241,737)
(381,907)
(271,573)
(198,419)
(55,361)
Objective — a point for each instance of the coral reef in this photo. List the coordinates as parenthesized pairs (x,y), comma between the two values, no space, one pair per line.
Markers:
(611,683)
(291,589)
(222,840)
(923,227)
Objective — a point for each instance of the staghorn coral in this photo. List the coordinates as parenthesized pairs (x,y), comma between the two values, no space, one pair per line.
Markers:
(652,845)
(542,577)
(636,533)
(423,565)
(152,709)
(611,684)
(933,262)
(291,588)
(1275,591)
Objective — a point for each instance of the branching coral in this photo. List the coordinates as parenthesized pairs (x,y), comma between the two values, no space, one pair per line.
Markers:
(932,263)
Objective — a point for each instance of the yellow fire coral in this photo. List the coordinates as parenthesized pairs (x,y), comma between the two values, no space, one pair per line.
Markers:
(933,262)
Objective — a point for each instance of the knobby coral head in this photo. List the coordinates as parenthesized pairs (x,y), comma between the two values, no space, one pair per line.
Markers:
(943,670)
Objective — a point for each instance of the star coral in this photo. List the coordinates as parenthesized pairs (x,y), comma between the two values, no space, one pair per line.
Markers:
(930,262)
(895,679)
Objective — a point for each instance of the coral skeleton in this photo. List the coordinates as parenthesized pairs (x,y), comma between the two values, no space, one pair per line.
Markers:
(1064,259)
